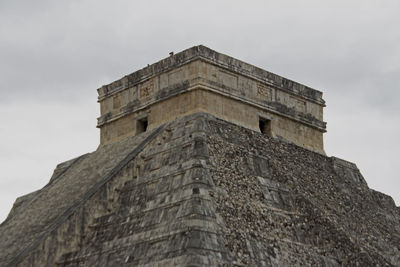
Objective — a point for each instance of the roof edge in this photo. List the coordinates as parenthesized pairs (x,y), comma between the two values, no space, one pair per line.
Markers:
(222,60)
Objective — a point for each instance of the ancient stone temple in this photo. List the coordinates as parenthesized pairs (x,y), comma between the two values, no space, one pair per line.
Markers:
(205,160)
(202,80)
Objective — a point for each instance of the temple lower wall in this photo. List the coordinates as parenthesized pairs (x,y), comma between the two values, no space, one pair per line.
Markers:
(248,116)
(200,100)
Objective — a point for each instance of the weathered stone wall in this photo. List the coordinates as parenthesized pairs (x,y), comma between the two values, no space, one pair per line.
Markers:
(77,230)
(203,192)
(234,94)
(30,225)
(284,206)
(153,210)
(220,106)
(163,216)
(143,94)
(248,116)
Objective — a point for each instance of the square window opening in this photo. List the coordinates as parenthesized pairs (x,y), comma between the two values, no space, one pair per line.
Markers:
(141,125)
(265,126)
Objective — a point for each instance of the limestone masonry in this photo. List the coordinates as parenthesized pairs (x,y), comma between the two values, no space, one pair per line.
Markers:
(202,80)
(195,169)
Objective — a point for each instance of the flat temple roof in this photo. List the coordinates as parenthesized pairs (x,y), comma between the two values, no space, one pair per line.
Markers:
(213,57)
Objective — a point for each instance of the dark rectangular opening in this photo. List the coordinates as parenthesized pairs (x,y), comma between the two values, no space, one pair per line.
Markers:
(141,125)
(265,126)
(137,171)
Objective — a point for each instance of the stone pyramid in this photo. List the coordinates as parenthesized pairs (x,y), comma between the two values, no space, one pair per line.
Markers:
(201,190)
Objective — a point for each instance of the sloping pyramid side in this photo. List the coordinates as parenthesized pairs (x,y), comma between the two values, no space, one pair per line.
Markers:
(203,192)
(163,214)
(285,206)
(37,224)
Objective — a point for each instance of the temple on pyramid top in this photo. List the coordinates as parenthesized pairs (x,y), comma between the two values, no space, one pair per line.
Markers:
(198,166)
(202,80)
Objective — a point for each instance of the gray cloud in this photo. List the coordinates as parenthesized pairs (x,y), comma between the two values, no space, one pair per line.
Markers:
(54,54)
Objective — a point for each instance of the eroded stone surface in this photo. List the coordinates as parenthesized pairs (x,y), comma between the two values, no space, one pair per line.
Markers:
(304,209)
(204,192)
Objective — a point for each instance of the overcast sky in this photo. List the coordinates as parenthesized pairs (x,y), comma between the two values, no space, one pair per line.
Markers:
(55,54)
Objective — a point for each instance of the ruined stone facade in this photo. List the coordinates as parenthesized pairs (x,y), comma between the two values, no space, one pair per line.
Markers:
(199,189)
(202,80)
